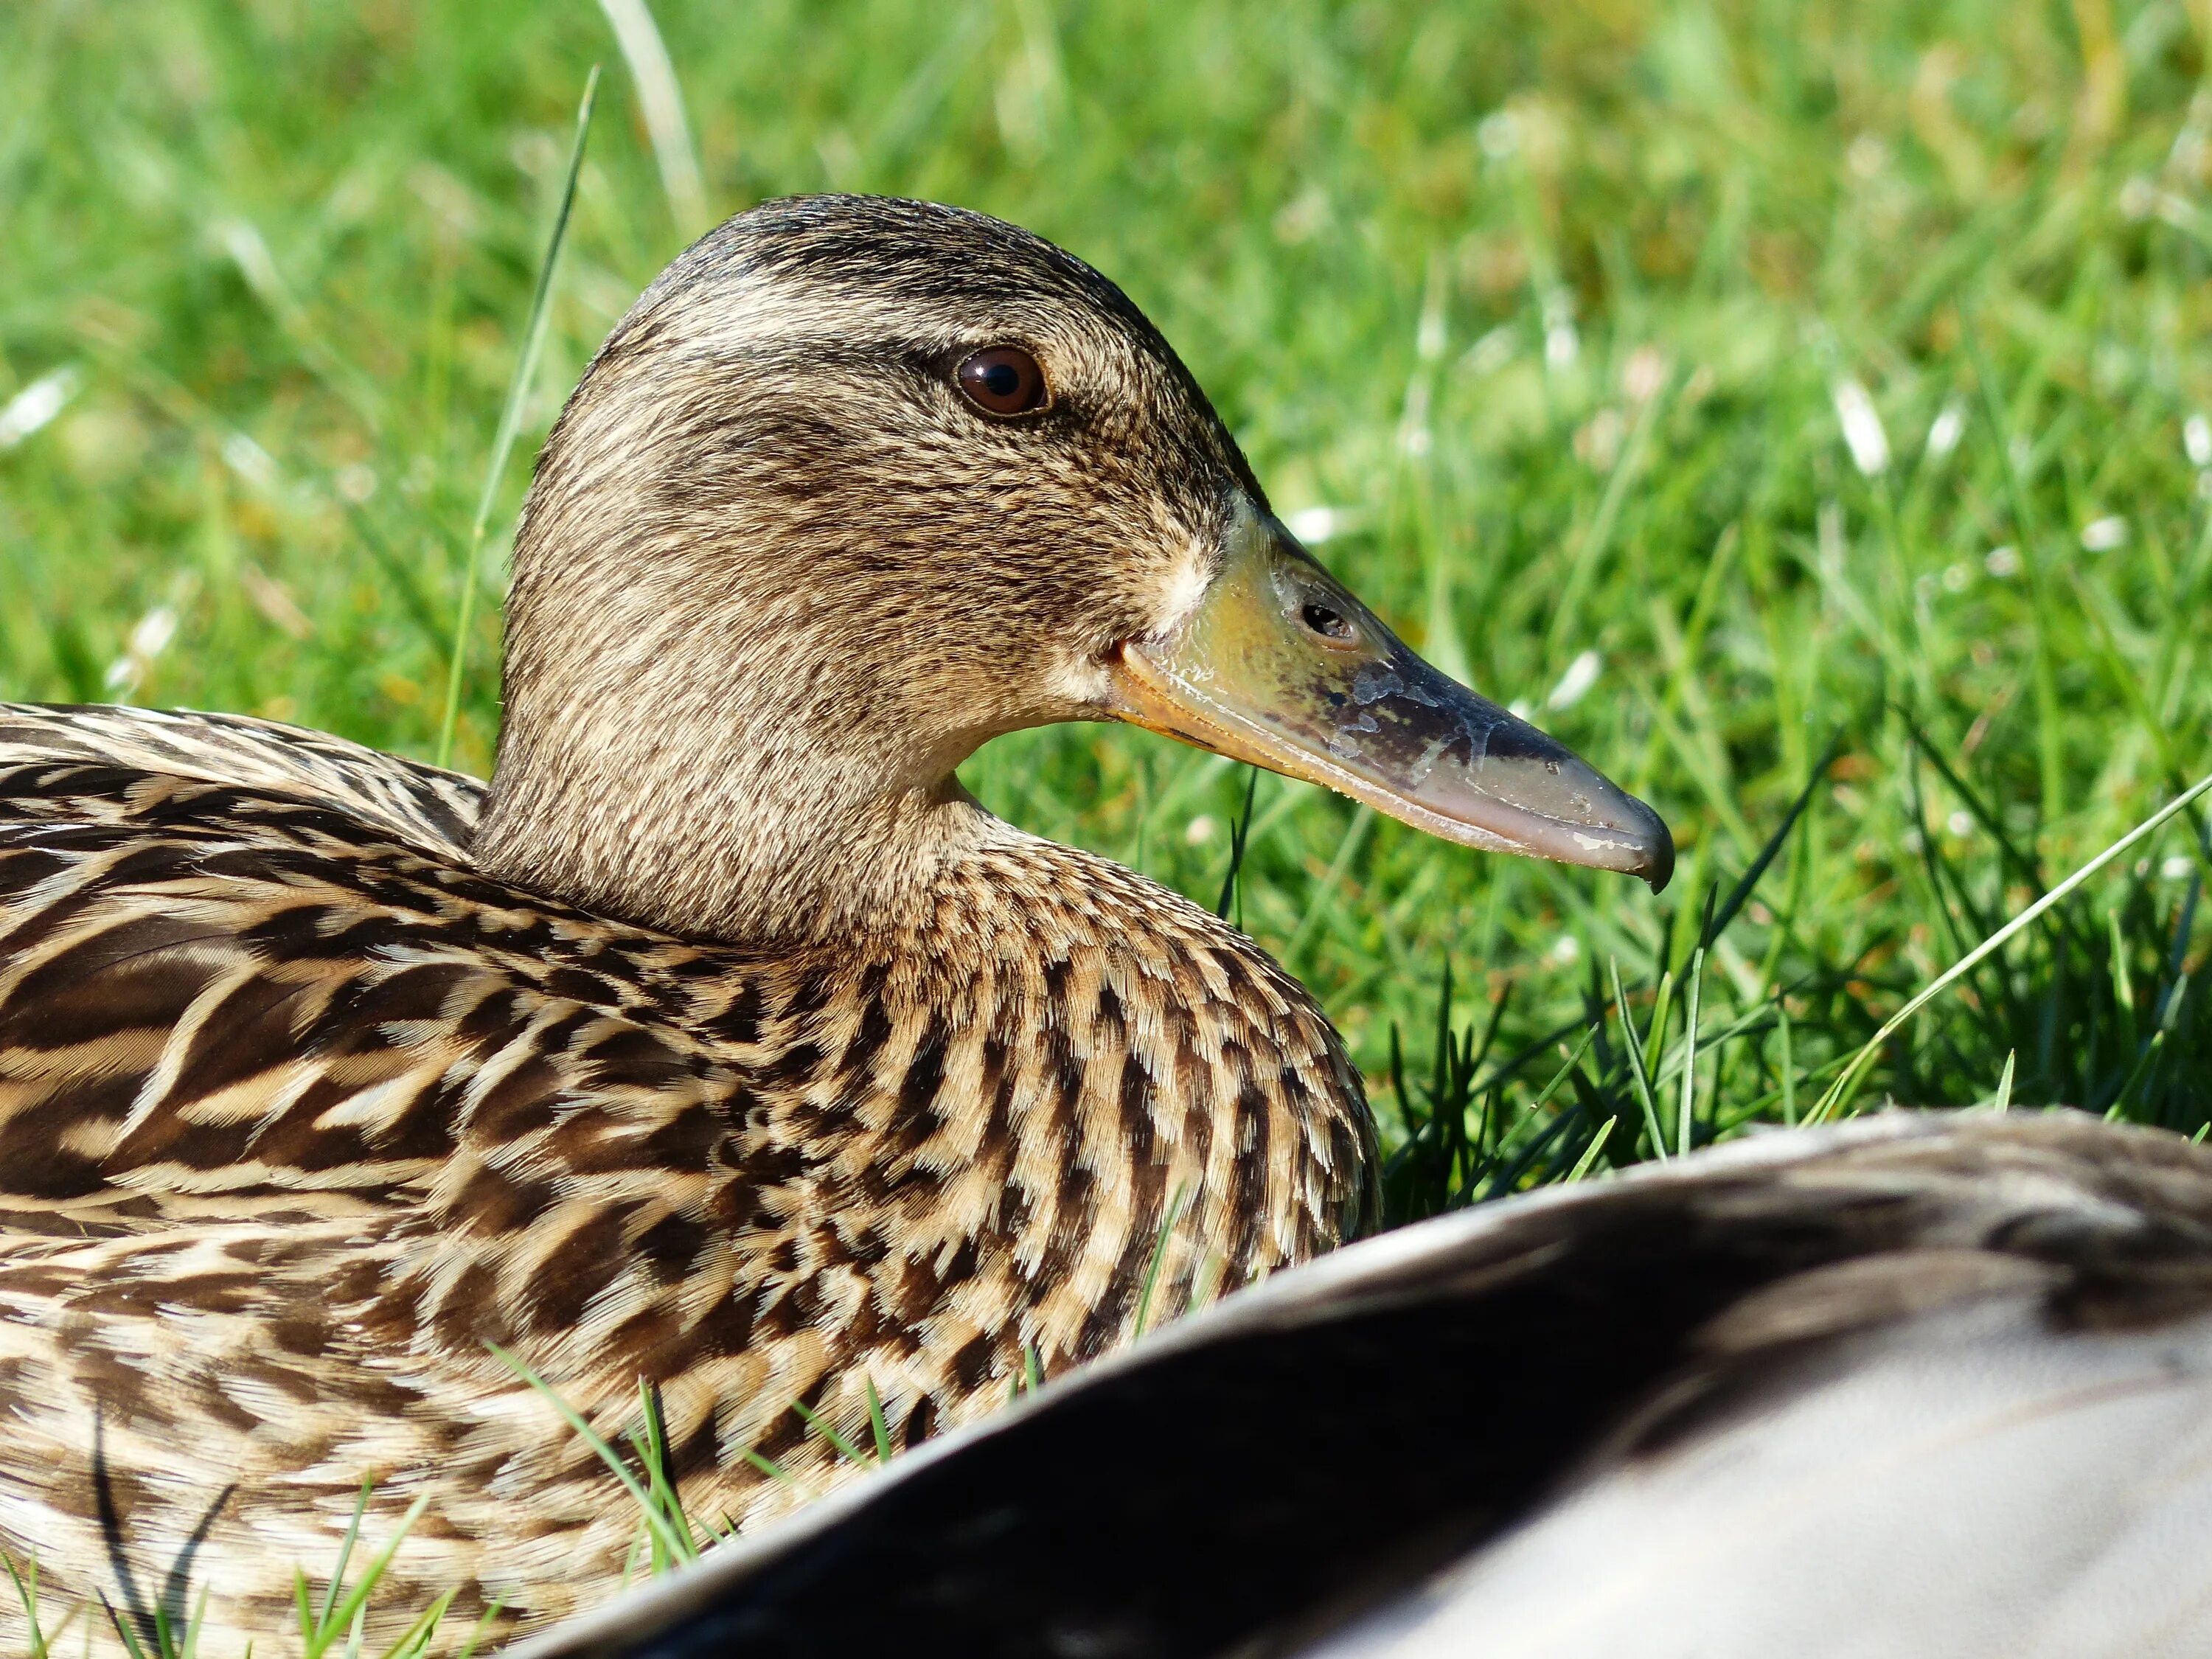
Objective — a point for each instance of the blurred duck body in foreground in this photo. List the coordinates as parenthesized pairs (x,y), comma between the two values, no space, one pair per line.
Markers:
(1924,1385)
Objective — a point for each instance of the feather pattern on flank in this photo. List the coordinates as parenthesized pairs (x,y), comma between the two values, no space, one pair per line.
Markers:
(296,1117)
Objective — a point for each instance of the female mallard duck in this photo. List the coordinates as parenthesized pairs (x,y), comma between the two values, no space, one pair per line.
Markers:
(722,1040)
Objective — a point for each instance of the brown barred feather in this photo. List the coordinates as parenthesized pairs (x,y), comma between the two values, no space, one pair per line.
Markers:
(296,1118)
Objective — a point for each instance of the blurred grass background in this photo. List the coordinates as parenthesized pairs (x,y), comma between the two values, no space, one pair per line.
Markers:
(1732,383)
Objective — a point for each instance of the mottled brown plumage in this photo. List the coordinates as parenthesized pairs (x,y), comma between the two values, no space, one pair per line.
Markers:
(300,1116)
(722,1040)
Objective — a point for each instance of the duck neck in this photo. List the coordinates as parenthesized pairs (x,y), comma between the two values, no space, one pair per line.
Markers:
(709,829)
(711,728)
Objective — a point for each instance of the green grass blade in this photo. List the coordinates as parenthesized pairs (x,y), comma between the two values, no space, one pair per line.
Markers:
(606,1454)
(346,1558)
(1788,1091)
(1747,884)
(660,97)
(1840,1092)
(1159,1255)
(122,1629)
(1685,1122)
(484,1622)
(351,1610)
(194,1625)
(877,1427)
(652,1447)
(510,421)
(1237,835)
(415,1640)
(1590,1152)
(769,1467)
(1638,1073)
(26,1592)
(823,1426)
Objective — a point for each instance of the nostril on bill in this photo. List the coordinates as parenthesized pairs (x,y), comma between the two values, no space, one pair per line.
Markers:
(1329,624)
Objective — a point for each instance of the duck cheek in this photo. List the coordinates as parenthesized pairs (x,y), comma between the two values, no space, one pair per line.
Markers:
(1280,667)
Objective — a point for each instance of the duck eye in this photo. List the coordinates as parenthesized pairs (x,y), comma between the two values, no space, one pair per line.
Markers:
(1004,380)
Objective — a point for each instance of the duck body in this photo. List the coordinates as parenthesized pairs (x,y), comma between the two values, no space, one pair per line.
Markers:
(304,1113)
(720,1042)
(1926,1383)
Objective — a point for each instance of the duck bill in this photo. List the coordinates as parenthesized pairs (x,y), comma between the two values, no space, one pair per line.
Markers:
(1279,666)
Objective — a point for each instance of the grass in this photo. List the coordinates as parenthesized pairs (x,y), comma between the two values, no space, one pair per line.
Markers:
(1801,407)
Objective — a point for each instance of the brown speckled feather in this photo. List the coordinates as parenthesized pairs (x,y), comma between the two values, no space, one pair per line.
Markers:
(296,1117)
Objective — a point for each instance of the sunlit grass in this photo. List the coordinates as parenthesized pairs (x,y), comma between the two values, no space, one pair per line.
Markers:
(1799,407)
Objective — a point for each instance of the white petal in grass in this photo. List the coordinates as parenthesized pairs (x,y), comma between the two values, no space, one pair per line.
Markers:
(1863,432)
(1568,949)
(274,600)
(249,461)
(1946,429)
(2177,866)
(148,640)
(2103,535)
(37,403)
(1199,830)
(1960,825)
(2197,441)
(1493,351)
(1597,442)
(155,629)
(1643,375)
(2002,561)
(1314,524)
(1430,339)
(1562,345)
(249,250)
(1574,685)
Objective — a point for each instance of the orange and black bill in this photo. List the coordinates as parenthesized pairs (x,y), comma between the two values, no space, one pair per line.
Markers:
(1279,666)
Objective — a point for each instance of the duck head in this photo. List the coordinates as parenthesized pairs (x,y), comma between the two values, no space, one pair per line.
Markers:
(861,483)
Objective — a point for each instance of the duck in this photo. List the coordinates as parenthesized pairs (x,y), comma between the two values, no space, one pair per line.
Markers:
(360,1121)
(1936,1383)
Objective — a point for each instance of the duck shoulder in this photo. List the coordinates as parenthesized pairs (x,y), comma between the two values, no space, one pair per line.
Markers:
(424,806)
